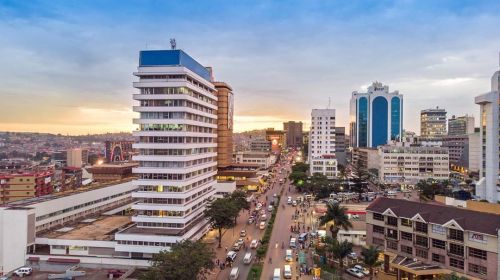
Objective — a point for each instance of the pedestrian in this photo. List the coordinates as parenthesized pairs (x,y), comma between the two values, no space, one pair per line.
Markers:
(217,261)
(226,249)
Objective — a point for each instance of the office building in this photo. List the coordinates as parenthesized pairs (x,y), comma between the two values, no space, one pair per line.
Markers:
(461,125)
(277,139)
(340,145)
(262,159)
(376,117)
(475,152)
(366,158)
(322,158)
(225,104)
(423,240)
(76,157)
(433,123)
(260,145)
(293,134)
(177,145)
(488,185)
(401,164)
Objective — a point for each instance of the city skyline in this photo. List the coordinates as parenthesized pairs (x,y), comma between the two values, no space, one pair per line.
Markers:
(66,64)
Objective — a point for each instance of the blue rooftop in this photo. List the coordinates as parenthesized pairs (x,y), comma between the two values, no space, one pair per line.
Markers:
(172,58)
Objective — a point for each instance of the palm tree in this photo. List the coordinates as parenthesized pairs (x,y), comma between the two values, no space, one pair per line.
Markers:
(370,258)
(340,250)
(336,214)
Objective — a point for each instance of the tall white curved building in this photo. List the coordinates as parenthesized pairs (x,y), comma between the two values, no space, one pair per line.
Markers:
(177,144)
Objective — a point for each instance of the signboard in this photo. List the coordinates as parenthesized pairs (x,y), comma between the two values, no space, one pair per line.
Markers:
(230,110)
(476,237)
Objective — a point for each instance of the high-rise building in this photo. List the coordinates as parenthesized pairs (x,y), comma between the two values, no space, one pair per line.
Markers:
(322,158)
(433,123)
(376,117)
(461,125)
(225,104)
(487,187)
(177,144)
(293,134)
(75,157)
(340,145)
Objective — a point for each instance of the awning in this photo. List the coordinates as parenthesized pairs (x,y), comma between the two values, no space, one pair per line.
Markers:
(417,267)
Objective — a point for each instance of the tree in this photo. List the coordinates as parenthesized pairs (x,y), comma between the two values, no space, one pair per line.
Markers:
(370,258)
(300,167)
(340,250)
(239,199)
(336,214)
(221,215)
(451,276)
(186,260)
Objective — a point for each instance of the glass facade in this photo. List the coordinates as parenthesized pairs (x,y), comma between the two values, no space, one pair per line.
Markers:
(363,122)
(379,121)
(395,118)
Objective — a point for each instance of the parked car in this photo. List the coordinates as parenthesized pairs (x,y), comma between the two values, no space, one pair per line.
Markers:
(294,203)
(23,271)
(243,233)
(289,200)
(353,255)
(231,255)
(363,270)
(262,225)
(356,273)
(4,278)
(254,244)
(251,220)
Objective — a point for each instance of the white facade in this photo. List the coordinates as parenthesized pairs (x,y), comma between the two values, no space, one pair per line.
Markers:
(408,165)
(177,157)
(322,157)
(263,159)
(475,152)
(488,186)
(74,158)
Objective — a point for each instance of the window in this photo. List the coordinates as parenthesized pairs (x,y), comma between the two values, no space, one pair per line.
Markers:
(421,253)
(476,253)
(406,222)
(436,243)
(456,234)
(406,236)
(378,229)
(438,229)
(421,227)
(478,269)
(392,245)
(456,249)
(378,241)
(378,216)
(437,258)
(421,241)
(406,249)
(392,234)
(457,263)
(392,221)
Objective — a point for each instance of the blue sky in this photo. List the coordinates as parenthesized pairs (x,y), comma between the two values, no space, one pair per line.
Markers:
(66,66)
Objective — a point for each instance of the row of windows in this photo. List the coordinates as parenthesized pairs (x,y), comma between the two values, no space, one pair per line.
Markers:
(176,103)
(169,213)
(69,209)
(177,115)
(176,127)
(175,139)
(176,177)
(161,188)
(176,152)
(175,200)
(176,164)
(144,243)
(178,90)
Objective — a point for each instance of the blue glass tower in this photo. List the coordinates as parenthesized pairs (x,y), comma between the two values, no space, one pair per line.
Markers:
(376,116)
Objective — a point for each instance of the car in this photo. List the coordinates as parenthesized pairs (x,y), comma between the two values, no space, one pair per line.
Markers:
(231,255)
(236,246)
(240,241)
(270,208)
(353,255)
(294,203)
(262,225)
(23,271)
(251,220)
(254,244)
(4,278)
(275,195)
(243,233)
(289,200)
(362,269)
(356,273)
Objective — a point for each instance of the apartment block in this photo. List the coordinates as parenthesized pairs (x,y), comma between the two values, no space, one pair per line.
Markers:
(25,185)
(322,145)
(422,240)
(410,164)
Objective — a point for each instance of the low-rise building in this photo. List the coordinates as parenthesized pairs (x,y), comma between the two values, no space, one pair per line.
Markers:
(18,186)
(401,164)
(111,172)
(422,240)
(263,159)
(260,145)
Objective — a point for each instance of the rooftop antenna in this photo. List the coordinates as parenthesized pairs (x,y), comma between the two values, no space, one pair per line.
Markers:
(173,44)
(329,102)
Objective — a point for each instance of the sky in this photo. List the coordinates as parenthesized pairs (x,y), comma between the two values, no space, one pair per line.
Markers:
(66,66)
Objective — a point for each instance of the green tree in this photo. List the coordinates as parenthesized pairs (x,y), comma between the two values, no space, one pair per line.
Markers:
(451,276)
(338,215)
(186,260)
(370,258)
(301,167)
(221,214)
(339,251)
(239,199)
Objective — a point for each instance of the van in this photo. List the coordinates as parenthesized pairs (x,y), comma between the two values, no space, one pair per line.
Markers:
(277,274)
(235,272)
(262,225)
(248,258)
(303,237)
(287,272)
(288,255)
(293,243)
